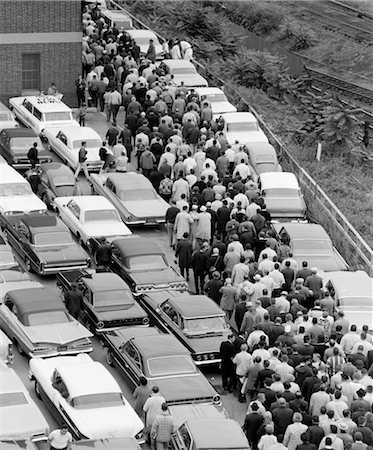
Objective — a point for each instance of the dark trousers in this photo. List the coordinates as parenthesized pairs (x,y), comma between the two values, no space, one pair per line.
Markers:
(228,377)
(183,271)
(114,111)
(199,279)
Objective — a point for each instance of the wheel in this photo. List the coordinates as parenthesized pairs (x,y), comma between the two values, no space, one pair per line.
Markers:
(28,265)
(109,358)
(19,348)
(37,390)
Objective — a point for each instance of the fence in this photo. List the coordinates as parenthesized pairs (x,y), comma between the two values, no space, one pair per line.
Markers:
(322,210)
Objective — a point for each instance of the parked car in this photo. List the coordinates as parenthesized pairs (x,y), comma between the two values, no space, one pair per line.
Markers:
(282,195)
(196,320)
(6,349)
(20,417)
(91,216)
(142,37)
(162,360)
(144,266)
(108,302)
(353,294)
(204,434)
(66,142)
(133,195)
(263,157)
(11,279)
(7,260)
(7,119)
(217,99)
(45,243)
(116,18)
(57,180)
(15,144)
(85,444)
(185,71)
(42,111)
(183,412)
(243,127)
(310,242)
(84,394)
(38,323)
(16,196)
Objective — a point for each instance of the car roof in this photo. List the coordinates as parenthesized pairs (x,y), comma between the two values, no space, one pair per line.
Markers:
(302,231)
(87,377)
(20,132)
(79,133)
(278,180)
(45,167)
(178,63)
(9,175)
(195,306)
(208,90)
(104,282)
(239,117)
(136,246)
(184,412)
(261,148)
(10,382)
(129,180)
(46,103)
(352,284)
(37,299)
(158,345)
(217,433)
(92,202)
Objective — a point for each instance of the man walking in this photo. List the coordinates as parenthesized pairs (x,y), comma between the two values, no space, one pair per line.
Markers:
(163,428)
(82,158)
(33,155)
(60,439)
(227,352)
(153,407)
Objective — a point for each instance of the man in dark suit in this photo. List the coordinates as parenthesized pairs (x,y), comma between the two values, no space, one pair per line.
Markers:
(227,352)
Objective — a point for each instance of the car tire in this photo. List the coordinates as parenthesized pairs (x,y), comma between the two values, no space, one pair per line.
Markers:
(37,390)
(109,358)
(19,348)
(28,265)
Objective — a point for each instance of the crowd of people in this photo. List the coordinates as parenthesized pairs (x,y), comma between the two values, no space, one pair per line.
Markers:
(302,368)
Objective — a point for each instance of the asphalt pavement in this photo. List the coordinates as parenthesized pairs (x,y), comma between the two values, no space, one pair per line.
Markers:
(236,410)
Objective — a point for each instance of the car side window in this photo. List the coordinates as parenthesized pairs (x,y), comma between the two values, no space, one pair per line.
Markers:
(170,312)
(59,385)
(110,186)
(329,286)
(62,138)
(184,433)
(37,114)
(27,105)
(21,228)
(132,353)
(74,208)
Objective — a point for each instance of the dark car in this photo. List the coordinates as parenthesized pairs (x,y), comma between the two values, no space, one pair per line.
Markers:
(45,243)
(15,144)
(162,360)
(108,302)
(196,320)
(57,180)
(144,266)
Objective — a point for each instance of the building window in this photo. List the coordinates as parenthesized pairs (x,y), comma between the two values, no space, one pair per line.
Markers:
(31,71)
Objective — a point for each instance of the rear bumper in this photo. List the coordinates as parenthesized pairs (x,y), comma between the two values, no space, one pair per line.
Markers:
(56,269)
(62,353)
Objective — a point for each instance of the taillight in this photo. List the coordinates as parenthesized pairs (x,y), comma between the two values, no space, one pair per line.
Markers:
(10,354)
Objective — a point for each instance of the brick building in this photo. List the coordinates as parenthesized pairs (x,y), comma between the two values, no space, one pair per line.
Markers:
(40,43)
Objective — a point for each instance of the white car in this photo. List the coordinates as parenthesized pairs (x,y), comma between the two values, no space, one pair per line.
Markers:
(353,294)
(14,279)
(16,196)
(6,349)
(84,394)
(67,141)
(142,37)
(242,127)
(217,99)
(7,119)
(20,418)
(91,216)
(282,195)
(185,71)
(7,260)
(133,195)
(43,111)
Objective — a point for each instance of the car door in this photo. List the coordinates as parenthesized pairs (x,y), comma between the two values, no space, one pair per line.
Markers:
(11,324)
(109,191)
(118,266)
(182,440)
(90,317)
(4,146)
(71,215)
(131,361)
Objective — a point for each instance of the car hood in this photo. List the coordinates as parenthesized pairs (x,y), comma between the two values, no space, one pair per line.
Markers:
(133,311)
(23,203)
(246,137)
(157,277)
(42,154)
(158,49)
(147,208)
(191,80)
(185,388)
(92,154)
(285,207)
(108,422)
(97,229)
(65,254)
(207,343)
(222,107)
(22,421)
(359,316)
(58,333)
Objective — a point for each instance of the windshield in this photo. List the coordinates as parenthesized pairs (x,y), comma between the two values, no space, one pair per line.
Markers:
(144,40)
(13,189)
(24,143)
(146,262)
(356,303)
(6,257)
(101,215)
(183,71)
(61,115)
(170,365)
(93,401)
(56,238)
(62,180)
(142,194)
(216,98)
(242,127)
(12,399)
(47,318)
(113,298)
(205,324)
(312,246)
(90,143)
(281,193)
(4,117)
(263,167)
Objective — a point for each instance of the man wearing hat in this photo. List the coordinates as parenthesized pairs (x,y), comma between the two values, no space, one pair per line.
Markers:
(251,426)
(314,283)
(359,406)
(74,300)
(282,416)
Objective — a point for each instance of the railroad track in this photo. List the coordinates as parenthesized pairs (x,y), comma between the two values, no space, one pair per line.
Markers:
(341,6)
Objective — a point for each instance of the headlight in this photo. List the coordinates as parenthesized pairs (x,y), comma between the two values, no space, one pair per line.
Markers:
(199,357)
(100,324)
(145,320)
(205,357)
(129,218)
(216,398)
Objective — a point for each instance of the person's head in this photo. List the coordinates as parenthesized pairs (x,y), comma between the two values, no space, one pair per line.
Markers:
(164,407)
(155,389)
(297,417)
(304,437)
(358,436)
(330,413)
(64,428)
(231,338)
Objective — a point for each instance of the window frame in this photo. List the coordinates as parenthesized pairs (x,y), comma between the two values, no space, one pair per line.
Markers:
(31,71)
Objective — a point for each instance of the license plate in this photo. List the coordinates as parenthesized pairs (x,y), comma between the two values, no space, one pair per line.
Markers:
(62,348)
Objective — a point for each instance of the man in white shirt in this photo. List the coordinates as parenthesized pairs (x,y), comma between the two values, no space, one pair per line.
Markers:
(60,439)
